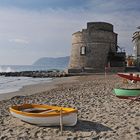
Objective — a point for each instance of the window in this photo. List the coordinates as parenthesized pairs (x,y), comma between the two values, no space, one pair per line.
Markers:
(83,51)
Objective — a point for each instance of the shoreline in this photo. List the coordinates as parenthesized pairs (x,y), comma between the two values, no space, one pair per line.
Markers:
(37,88)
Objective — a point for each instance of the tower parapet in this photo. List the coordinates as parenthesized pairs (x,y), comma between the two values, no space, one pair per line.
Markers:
(100,26)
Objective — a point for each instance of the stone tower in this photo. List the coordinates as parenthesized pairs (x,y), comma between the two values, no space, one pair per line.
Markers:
(91,46)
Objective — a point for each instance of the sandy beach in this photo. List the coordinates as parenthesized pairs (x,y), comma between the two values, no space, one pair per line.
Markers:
(101,115)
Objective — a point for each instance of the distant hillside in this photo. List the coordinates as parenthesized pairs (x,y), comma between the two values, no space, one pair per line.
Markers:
(53,63)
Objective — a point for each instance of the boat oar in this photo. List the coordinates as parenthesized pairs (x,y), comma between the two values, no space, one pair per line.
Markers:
(48,111)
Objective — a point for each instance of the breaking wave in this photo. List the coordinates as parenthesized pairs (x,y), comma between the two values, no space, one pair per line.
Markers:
(6,69)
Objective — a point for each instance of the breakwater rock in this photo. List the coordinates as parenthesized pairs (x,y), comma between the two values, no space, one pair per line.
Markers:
(35,74)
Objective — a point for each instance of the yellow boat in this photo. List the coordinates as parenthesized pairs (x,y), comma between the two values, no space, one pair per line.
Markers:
(45,115)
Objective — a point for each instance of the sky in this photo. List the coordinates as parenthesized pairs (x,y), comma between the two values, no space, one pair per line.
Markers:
(31,29)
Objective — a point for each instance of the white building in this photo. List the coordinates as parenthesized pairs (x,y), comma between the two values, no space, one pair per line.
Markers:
(136,48)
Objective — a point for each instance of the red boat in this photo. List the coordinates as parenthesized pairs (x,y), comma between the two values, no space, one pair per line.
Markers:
(131,76)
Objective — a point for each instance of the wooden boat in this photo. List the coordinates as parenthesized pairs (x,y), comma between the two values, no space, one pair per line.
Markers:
(45,115)
(131,76)
(127,93)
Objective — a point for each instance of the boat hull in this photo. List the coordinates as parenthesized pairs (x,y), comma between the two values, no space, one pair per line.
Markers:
(68,120)
(129,76)
(46,119)
(126,93)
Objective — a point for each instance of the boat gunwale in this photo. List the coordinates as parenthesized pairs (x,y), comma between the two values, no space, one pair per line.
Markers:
(19,112)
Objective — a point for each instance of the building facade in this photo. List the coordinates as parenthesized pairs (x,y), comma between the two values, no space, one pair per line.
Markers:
(91,48)
(136,48)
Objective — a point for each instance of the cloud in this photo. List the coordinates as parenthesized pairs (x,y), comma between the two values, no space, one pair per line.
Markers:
(49,31)
(19,41)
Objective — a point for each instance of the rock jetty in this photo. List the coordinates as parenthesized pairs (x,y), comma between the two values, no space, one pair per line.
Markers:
(36,74)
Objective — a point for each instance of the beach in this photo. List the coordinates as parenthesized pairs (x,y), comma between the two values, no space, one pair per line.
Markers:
(101,115)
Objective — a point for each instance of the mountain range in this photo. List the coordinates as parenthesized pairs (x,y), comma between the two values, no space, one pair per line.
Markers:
(54,63)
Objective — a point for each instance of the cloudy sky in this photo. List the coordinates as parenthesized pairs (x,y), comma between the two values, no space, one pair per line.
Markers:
(30,29)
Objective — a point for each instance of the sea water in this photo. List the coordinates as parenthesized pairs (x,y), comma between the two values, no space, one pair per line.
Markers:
(11,84)
(18,68)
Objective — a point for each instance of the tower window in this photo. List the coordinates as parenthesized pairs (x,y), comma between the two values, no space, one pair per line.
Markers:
(83,51)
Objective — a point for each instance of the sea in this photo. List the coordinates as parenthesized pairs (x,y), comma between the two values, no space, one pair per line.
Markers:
(12,84)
